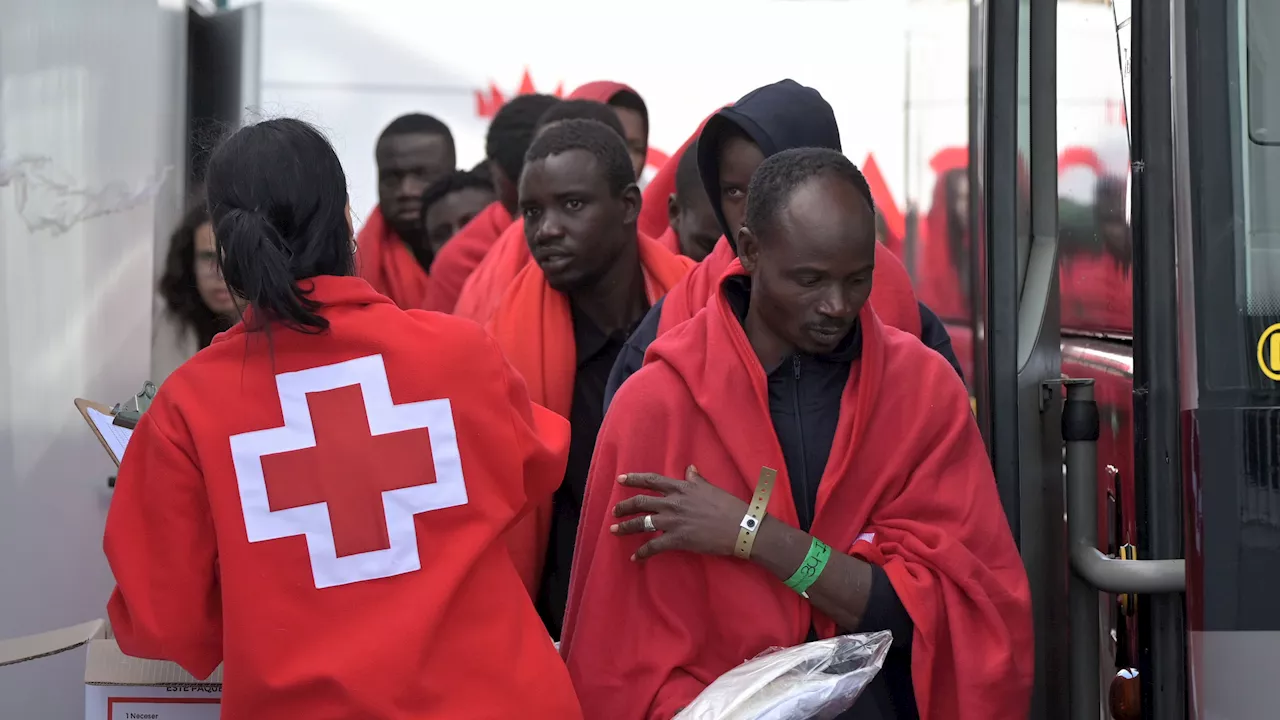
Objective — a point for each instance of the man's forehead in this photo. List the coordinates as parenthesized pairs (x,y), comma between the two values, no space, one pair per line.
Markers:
(823,211)
(828,197)
(407,147)
(571,167)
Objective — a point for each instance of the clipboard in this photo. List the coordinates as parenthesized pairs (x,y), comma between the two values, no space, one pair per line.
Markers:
(114,438)
(113,426)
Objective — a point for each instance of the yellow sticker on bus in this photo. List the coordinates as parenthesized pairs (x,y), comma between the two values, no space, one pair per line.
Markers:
(1269,352)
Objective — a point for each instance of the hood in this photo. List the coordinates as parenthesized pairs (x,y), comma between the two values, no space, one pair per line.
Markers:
(781,116)
(602,91)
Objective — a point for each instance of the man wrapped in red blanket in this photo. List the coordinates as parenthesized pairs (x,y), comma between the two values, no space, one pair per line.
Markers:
(885,513)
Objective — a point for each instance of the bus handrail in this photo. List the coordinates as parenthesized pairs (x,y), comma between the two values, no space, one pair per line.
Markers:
(1113,575)
(1080,430)
(1091,570)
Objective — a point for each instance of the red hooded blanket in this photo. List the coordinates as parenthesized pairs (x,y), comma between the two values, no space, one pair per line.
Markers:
(462,254)
(891,294)
(325,514)
(908,487)
(388,264)
(534,327)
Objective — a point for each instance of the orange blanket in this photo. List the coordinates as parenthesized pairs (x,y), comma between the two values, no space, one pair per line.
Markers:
(534,328)
(484,289)
(387,264)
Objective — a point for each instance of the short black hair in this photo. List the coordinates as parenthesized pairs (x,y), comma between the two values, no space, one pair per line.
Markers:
(583,110)
(451,183)
(482,170)
(416,124)
(781,174)
(631,100)
(512,131)
(596,138)
(688,181)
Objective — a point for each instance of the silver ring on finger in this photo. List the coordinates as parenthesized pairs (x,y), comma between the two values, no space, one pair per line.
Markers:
(648,524)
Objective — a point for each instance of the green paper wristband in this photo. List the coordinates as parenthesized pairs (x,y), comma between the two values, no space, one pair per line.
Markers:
(814,563)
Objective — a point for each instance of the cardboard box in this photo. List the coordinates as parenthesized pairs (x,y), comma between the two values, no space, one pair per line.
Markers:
(120,687)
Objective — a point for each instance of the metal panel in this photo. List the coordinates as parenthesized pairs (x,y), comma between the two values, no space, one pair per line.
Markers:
(1161,657)
(82,87)
(1038,357)
(225,57)
(997,317)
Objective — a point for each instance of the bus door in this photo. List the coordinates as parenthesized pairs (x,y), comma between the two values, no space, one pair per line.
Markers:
(1228,158)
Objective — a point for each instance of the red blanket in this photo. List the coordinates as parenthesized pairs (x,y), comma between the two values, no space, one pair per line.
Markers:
(908,487)
(891,292)
(670,241)
(483,291)
(388,264)
(692,293)
(534,327)
(462,254)
(324,515)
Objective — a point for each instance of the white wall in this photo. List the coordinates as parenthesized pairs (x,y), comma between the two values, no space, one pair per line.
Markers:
(80,86)
(353,65)
(896,71)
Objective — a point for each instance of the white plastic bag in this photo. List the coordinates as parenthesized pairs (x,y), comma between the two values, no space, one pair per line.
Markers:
(817,680)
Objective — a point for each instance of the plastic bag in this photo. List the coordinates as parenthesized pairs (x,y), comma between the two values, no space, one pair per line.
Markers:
(816,680)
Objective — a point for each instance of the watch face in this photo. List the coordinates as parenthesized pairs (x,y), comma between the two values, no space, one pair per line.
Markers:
(749,523)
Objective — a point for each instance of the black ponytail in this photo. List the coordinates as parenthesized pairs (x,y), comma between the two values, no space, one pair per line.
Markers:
(254,253)
(278,202)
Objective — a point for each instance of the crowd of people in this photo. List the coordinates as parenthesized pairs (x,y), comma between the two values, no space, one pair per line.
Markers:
(537,443)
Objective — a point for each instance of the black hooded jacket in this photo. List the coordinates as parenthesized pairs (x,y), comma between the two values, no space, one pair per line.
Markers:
(804,392)
(782,116)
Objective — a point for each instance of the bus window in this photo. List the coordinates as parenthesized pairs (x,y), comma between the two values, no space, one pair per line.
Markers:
(1233,110)
(1264,70)
(1261,77)
(1095,246)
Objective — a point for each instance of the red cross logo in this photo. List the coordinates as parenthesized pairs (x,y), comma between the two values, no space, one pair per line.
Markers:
(349,470)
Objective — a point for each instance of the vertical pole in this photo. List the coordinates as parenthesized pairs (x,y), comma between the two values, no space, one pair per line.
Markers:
(1156,398)
(1080,434)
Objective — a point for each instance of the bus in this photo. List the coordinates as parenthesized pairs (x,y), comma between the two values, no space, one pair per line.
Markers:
(1135,326)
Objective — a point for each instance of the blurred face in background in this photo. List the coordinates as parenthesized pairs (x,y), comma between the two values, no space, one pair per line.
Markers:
(213,290)
(637,136)
(407,164)
(446,216)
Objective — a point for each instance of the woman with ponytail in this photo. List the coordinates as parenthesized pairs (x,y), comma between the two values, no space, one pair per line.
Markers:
(317,500)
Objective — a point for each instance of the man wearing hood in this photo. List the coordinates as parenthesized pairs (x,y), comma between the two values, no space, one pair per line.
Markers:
(732,145)
(833,482)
